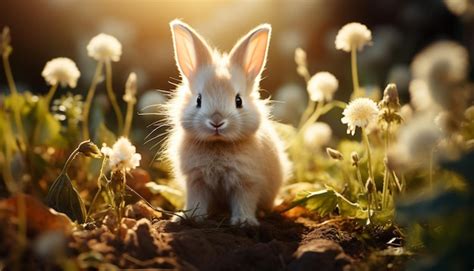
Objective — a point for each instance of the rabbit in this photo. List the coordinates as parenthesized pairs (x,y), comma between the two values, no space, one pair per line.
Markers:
(222,146)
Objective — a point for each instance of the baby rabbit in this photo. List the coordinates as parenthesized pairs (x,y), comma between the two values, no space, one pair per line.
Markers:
(222,145)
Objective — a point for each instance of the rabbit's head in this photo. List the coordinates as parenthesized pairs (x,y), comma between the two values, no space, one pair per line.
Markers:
(219,98)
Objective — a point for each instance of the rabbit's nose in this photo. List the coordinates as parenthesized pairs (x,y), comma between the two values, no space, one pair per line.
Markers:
(217,125)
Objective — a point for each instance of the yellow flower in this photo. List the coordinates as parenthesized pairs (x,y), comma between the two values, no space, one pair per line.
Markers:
(353,35)
(321,86)
(62,71)
(360,112)
(122,156)
(104,47)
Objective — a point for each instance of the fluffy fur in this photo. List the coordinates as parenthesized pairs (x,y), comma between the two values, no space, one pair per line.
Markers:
(225,157)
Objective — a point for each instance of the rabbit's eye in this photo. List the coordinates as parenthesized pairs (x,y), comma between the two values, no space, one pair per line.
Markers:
(198,101)
(238,101)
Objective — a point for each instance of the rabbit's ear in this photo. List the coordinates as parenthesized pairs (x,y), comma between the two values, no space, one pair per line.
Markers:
(191,51)
(250,52)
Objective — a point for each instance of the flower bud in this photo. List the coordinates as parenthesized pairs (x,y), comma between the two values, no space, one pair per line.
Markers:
(355,158)
(130,88)
(89,149)
(334,154)
(5,40)
(300,57)
(369,185)
(390,96)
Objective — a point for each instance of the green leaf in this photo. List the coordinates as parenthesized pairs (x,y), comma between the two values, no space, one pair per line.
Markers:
(350,209)
(324,201)
(49,130)
(174,196)
(64,198)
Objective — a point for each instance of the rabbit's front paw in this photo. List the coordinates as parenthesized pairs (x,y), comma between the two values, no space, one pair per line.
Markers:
(244,220)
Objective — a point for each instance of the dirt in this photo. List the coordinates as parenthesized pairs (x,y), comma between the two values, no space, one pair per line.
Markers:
(145,239)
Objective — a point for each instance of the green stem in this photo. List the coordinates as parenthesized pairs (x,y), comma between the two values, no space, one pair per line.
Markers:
(16,109)
(128,118)
(50,94)
(113,99)
(369,155)
(307,112)
(386,177)
(88,102)
(71,157)
(431,169)
(355,76)
(99,185)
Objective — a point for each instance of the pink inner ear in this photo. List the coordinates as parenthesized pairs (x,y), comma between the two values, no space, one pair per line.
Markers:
(185,52)
(256,53)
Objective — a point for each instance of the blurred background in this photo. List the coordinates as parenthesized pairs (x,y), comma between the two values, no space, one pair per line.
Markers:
(44,29)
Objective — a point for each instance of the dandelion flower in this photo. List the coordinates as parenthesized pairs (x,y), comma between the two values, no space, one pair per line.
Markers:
(122,156)
(317,135)
(321,86)
(416,141)
(104,47)
(447,61)
(360,112)
(420,95)
(61,70)
(353,35)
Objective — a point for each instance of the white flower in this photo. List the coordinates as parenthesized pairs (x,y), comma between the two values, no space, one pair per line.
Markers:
(321,86)
(317,135)
(416,140)
(360,112)
(445,61)
(353,35)
(104,47)
(122,156)
(61,70)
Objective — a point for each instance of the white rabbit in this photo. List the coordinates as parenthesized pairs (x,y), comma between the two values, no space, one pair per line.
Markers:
(222,145)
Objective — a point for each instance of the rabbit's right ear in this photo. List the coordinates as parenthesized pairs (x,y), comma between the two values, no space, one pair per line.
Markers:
(191,51)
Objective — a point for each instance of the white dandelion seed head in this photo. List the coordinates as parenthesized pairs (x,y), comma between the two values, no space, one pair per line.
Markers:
(104,47)
(359,113)
(321,86)
(416,140)
(122,156)
(353,35)
(317,135)
(447,61)
(420,95)
(61,70)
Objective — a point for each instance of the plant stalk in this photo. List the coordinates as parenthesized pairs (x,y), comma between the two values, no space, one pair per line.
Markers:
(16,110)
(355,75)
(50,94)
(111,94)
(88,102)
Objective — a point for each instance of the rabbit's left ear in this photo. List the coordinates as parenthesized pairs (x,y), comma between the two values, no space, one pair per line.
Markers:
(250,52)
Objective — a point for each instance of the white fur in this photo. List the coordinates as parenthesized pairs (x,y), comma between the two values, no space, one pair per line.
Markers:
(244,165)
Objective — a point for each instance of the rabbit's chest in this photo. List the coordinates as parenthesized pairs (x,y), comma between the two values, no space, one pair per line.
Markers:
(220,169)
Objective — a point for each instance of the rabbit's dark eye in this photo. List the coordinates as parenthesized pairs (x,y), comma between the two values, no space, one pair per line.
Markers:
(238,101)
(198,101)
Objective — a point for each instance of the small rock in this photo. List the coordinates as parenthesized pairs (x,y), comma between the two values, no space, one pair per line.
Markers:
(321,254)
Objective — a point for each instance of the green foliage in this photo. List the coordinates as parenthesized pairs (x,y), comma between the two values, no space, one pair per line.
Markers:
(64,198)
(325,202)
